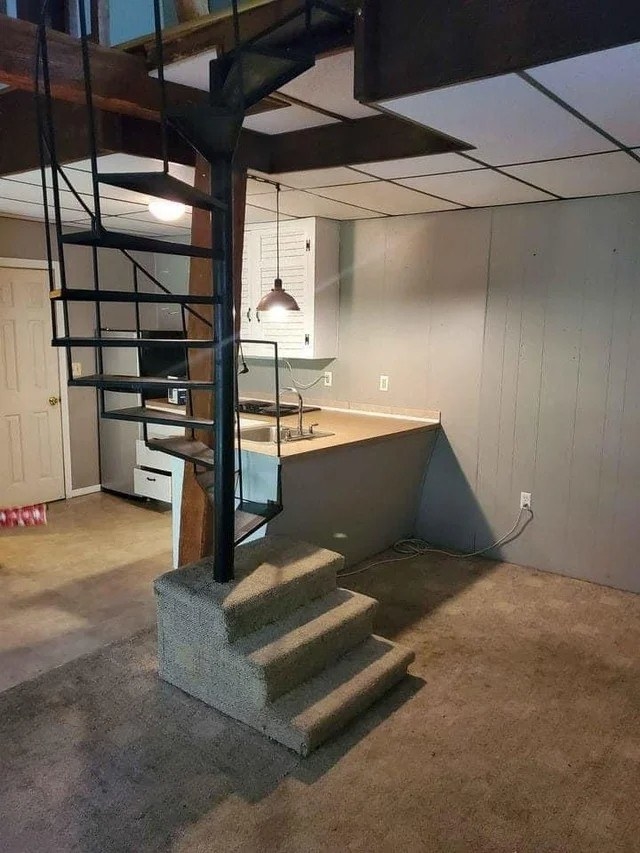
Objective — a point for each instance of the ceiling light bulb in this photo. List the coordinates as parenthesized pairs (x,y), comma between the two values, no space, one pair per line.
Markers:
(165,210)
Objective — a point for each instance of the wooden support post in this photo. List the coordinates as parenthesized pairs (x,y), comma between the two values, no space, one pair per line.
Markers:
(196,517)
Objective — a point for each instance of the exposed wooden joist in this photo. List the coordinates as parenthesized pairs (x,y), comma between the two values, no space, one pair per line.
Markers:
(120,81)
(363,141)
(114,133)
(19,151)
(414,46)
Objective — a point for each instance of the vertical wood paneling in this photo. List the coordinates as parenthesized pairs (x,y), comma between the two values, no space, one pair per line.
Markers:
(559,409)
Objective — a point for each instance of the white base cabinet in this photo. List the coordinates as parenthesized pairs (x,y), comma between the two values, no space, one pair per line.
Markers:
(310,272)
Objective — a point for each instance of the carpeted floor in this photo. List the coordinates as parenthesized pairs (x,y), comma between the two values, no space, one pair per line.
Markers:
(517,733)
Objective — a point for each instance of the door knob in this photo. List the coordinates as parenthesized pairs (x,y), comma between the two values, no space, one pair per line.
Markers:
(53,401)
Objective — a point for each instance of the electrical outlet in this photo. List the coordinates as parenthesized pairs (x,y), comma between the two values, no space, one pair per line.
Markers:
(384,383)
(525,500)
(76,369)
(328,379)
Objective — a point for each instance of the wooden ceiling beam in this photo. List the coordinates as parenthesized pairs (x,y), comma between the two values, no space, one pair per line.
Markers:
(415,46)
(364,140)
(115,134)
(121,82)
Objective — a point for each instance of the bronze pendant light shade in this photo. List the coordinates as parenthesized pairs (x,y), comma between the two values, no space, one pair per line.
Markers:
(277,299)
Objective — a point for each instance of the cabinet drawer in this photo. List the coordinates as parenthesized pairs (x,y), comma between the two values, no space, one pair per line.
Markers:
(150,484)
(146,458)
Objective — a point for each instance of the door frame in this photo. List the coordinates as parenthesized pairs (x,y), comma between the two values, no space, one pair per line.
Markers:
(27,264)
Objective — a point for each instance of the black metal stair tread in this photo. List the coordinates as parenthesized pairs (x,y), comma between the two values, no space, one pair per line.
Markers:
(330,22)
(262,71)
(184,448)
(212,130)
(120,240)
(190,343)
(251,516)
(145,414)
(76,294)
(162,185)
(138,383)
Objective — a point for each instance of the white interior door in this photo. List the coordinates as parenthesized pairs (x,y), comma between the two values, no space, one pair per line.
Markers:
(31,450)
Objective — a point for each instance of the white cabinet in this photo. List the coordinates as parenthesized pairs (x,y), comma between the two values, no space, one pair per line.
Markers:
(309,269)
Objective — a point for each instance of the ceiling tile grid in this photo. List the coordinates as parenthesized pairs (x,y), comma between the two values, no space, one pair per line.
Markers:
(300,203)
(599,174)
(480,188)
(329,85)
(430,164)
(505,118)
(286,120)
(385,197)
(603,86)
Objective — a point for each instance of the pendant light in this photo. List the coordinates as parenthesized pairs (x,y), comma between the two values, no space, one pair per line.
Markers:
(277,301)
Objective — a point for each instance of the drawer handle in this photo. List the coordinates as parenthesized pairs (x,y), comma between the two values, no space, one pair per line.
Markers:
(151,479)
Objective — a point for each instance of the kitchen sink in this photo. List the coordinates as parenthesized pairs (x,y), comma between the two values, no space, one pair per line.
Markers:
(269,434)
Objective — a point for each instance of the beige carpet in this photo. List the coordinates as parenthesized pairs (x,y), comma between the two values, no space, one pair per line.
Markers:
(519,733)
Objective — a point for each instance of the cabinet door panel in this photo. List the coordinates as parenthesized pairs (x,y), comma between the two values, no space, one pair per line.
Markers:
(247,308)
(291,328)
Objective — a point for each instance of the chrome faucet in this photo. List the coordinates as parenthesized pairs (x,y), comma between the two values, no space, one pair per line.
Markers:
(300,407)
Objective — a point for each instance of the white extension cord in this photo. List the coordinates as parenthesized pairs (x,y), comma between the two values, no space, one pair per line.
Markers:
(415,547)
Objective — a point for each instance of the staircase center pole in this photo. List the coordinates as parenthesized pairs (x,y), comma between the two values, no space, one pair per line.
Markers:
(224,377)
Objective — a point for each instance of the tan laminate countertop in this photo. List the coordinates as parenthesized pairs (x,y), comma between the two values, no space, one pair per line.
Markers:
(350,428)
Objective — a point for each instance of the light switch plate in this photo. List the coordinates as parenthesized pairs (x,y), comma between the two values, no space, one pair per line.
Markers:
(384,383)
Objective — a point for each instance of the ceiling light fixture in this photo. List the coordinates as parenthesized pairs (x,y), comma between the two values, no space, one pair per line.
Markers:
(165,210)
(277,301)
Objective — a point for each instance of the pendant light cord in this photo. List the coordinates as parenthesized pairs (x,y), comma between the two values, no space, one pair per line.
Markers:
(278,231)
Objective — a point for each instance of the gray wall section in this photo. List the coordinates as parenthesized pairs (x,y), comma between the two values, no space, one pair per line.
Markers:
(26,240)
(522,325)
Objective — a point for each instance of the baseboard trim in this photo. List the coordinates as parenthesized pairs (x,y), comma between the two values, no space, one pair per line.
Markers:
(87,490)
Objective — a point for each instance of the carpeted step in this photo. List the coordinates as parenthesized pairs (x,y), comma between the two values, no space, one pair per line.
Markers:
(274,577)
(283,655)
(315,711)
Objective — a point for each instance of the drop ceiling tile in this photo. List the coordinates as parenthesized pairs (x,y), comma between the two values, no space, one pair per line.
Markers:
(599,174)
(603,86)
(31,210)
(32,192)
(386,198)
(136,225)
(192,71)
(286,119)
(329,84)
(259,187)
(257,214)
(505,118)
(300,203)
(319,178)
(481,188)
(432,164)
(184,223)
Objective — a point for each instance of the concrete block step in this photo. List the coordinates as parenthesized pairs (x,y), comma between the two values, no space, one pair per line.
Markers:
(274,577)
(315,711)
(285,654)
